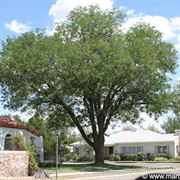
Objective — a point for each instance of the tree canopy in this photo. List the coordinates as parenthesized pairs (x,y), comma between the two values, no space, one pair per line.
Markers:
(91,70)
(173,120)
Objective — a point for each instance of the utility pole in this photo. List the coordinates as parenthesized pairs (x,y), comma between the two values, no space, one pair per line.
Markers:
(56,154)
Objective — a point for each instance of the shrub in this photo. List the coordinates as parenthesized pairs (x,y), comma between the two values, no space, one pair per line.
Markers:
(161,159)
(117,158)
(84,158)
(149,157)
(140,156)
(167,156)
(177,158)
(122,156)
(18,144)
(112,157)
(71,156)
(130,157)
(32,165)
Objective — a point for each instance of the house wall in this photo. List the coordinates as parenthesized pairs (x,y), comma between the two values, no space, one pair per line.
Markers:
(177,144)
(13,163)
(38,141)
(147,147)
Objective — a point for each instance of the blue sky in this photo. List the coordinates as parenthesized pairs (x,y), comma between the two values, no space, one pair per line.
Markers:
(18,16)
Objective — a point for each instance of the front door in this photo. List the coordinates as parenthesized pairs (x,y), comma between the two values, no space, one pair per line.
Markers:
(111,150)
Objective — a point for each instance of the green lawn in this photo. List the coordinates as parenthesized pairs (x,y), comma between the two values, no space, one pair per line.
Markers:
(89,167)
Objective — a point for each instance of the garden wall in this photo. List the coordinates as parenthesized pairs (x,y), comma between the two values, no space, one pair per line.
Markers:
(14,163)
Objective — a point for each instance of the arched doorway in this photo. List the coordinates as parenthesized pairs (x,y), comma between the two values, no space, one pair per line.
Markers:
(7,143)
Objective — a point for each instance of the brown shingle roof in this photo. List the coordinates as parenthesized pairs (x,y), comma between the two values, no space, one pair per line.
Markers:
(9,123)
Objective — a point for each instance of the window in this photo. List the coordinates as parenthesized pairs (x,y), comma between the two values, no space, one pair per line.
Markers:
(162,149)
(177,149)
(132,150)
(7,144)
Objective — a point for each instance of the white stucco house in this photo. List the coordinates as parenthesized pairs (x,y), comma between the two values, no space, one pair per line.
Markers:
(9,127)
(132,142)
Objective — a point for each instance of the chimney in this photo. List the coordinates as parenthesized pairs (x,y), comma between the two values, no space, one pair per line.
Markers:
(177,132)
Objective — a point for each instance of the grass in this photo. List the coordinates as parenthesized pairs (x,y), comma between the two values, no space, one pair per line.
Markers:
(89,168)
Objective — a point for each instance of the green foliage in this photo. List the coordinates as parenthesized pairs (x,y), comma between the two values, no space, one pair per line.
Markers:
(71,156)
(33,165)
(18,119)
(140,156)
(90,71)
(173,122)
(117,157)
(111,157)
(167,156)
(161,159)
(18,143)
(128,157)
(149,157)
(177,158)
(38,124)
(84,158)
(114,157)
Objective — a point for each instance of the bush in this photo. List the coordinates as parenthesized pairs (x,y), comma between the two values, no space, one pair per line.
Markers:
(112,157)
(71,156)
(149,157)
(128,157)
(84,158)
(32,165)
(117,158)
(167,156)
(122,156)
(140,156)
(177,158)
(161,159)
(17,142)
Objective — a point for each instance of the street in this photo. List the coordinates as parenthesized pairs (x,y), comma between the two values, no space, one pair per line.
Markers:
(131,176)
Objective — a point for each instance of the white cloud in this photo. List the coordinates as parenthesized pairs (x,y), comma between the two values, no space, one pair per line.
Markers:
(25,116)
(177,46)
(175,24)
(161,23)
(61,8)
(17,27)
(170,28)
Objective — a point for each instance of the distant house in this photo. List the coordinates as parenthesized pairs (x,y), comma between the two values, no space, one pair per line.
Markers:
(132,142)
(9,127)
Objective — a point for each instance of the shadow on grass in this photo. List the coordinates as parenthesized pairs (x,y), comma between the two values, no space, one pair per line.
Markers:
(88,167)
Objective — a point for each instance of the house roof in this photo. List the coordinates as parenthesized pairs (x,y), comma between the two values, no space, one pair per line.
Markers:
(138,136)
(9,123)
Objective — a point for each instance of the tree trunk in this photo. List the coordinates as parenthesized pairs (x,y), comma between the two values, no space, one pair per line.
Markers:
(99,154)
(99,149)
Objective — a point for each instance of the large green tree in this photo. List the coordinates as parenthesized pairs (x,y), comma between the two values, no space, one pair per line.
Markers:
(91,70)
